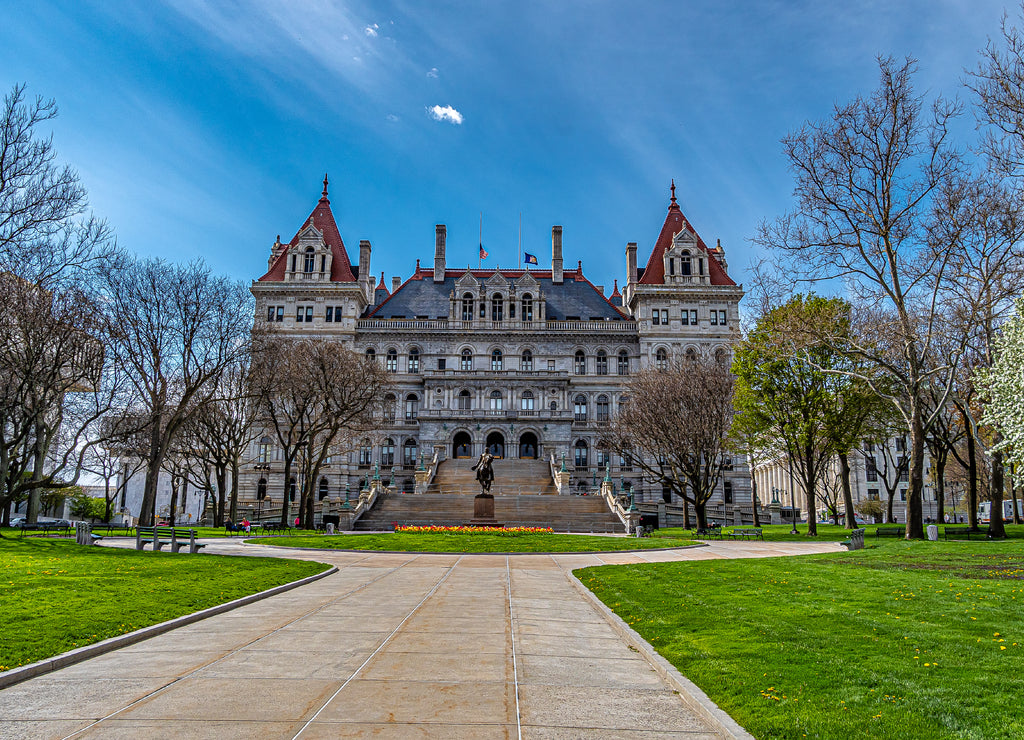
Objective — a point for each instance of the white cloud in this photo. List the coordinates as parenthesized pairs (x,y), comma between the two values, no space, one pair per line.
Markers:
(371,30)
(392,117)
(445,113)
(432,72)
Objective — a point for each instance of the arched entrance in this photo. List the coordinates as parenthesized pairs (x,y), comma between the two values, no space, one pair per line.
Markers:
(528,446)
(462,445)
(496,444)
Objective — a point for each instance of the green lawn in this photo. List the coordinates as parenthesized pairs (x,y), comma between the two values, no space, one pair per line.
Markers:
(827,532)
(56,595)
(458,542)
(900,640)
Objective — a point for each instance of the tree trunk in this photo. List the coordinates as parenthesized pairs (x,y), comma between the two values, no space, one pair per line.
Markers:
(147,511)
(996,530)
(844,471)
(39,460)
(1013,493)
(940,488)
(174,500)
(702,518)
(972,480)
(888,514)
(287,491)
(234,490)
(915,511)
(222,483)
(106,500)
(753,498)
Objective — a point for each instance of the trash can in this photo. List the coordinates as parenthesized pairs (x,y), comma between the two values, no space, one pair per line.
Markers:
(330,527)
(933,533)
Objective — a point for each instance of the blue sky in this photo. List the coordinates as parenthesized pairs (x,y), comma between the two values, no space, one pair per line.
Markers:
(204,129)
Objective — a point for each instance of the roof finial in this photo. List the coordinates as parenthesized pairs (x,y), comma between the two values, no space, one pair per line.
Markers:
(325,185)
(673,190)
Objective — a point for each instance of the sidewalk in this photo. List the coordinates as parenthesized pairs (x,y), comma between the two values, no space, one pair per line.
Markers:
(393,645)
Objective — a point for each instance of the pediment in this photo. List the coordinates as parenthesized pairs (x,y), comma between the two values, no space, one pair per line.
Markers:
(310,235)
(684,239)
(468,280)
(497,280)
(527,281)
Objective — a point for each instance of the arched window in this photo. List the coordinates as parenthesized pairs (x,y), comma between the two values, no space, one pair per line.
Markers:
(263,452)
(626,460)
(684,263)
(390,401)
(414,360)
(322,490)
(467,359)
(497,401)
(409,453)
(365,453)
(661,359)
(602,408)
(465,401)
(581,457)
(497,308)
(387,453)
(526,400)
(526,362)
(691,356)
(371,353)
(261,489)
(623,362)
(580,363)
(601,455)
(720,356)
(579,408)
(496,360)
(309,261)
(391,362)
(467,307)
(527,313)
(291,488)
(602,362)
(412,406)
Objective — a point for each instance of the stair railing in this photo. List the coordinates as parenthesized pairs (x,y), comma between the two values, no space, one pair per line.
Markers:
(617,505)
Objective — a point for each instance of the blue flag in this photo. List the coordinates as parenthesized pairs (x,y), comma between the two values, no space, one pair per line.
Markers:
(529,258)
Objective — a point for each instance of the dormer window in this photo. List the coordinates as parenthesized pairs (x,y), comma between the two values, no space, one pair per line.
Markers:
(310,260)
(685,264)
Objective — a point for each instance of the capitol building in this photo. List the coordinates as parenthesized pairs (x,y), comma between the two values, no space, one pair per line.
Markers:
(527,364)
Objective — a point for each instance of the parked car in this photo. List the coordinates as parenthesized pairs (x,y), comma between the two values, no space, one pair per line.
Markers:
(17,521)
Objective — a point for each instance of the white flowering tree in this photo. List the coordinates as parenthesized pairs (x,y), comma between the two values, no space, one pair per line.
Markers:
(1003,386)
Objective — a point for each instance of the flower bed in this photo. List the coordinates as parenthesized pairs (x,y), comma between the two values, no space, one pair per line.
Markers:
(500,531)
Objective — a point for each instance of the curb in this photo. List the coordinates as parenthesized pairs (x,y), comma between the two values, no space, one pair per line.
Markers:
(48,665)
(689,692)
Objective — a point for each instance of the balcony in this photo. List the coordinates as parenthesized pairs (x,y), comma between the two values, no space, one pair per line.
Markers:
(625,326)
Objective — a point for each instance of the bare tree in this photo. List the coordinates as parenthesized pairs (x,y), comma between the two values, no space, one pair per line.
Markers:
(867,181)
(175,329)
(312,394)
(675,427)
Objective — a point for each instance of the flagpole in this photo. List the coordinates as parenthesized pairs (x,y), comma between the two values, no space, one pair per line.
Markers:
(521,239)
(479,254)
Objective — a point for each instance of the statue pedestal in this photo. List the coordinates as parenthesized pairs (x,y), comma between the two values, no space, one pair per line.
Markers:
(483,511)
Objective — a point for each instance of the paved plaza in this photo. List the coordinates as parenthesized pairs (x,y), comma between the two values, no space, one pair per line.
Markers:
(392,646)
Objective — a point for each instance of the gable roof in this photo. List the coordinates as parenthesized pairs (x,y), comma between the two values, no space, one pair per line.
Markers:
(675,221)
(322,219)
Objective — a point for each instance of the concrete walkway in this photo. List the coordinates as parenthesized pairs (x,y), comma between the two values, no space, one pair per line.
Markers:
(393,646)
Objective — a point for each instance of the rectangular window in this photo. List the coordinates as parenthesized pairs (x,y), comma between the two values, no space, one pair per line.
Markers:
(656,317)
(329,315)
(903,494)
(901,444)
(271,310)
(727,492)
(671,266)
(904,469)
(551,366)
(870,469)
(280,314)
(721,318)
(685,317)
(872,494)
(441,363)
(309,314)
(693,318)
(714,317)
(299,313)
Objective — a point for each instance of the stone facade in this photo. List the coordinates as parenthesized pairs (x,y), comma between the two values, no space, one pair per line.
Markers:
(528,364)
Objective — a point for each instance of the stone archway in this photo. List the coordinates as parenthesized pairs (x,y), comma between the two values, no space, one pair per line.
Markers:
(462,445)
(495,444)
(529,448)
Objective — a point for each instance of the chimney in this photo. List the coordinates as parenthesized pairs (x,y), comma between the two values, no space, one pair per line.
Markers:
(365,276)
(631,263)
(440,235)
(556,255)
(396,283)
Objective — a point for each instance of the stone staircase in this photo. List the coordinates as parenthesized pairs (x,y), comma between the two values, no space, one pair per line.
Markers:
(561,513)
(511,477)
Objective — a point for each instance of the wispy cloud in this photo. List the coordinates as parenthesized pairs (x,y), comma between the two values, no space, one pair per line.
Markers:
(432,72)
(392,117)
(371,30)
(445,113)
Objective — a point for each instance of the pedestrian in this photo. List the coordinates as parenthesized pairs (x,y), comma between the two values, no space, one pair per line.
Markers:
(245,524)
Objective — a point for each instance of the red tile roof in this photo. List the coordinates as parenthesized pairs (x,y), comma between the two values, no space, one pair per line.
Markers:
(323,220)
(675,221)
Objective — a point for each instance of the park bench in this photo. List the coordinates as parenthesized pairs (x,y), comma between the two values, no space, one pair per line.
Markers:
(746,533)
(890,532)
(962,532)
(708,534)
(275,527)
(110,529)
(856,541)
(232,529)
(44,527)
(160,536)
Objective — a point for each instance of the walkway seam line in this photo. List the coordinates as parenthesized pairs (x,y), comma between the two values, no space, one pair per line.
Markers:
(512,631)
(379,647)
